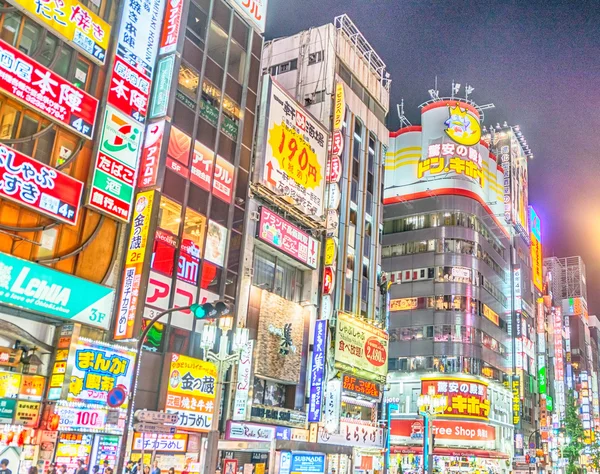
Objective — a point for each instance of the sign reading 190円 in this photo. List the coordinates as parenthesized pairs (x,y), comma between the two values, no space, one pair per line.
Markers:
(45,91)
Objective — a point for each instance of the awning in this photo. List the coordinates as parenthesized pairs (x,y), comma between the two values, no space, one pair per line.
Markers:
(478,453)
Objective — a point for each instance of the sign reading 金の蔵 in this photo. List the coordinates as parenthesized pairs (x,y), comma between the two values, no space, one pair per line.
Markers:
(279,233)
(72,21)
(97,369)
(467,398)
(45,91)
(38,186)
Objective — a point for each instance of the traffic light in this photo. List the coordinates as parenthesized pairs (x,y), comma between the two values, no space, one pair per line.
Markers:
(214,310)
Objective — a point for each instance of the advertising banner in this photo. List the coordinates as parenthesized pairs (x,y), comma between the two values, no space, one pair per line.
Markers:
(332,411)
(132,274)
(38,186)
(162,84)
(116,163)
(353,434)
(139,33)
(97,369)
(447,433)
(43,290)
(45,91)
(254,11)
(151,154)
(295,153)
(73,22)
(317,371)
(516,399)
(171,25)
(191,392)
(361,387)
(81,419)
(249,432)
(171,443)
(289,239)
(242,392)
(129,90)
(361,348)
(537,263)
(340,107)
(467,398)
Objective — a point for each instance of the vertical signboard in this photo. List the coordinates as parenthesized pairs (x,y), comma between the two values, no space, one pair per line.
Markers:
(536,249)
(242,392)
(171,25)
(132,274)
(333,406)
(162,86)
(317,371)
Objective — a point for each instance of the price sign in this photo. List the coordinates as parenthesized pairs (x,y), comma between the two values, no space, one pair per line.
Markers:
(360,386)
(79,418)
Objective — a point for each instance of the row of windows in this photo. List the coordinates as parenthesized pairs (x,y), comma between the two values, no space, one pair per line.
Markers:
(361,92)
(438,219)
(448,333)
(448,365)
(461,246)
(447,303)
(276,276)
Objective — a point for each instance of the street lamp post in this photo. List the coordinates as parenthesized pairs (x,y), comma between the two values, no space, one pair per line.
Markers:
(430,405)
(529,446)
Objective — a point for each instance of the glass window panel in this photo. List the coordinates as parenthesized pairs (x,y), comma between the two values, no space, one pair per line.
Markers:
(188,80)
(10,27)
(29,126)
(217,44)
(169,215)
(237,61)
(196,22)
(194,228)
(29,37)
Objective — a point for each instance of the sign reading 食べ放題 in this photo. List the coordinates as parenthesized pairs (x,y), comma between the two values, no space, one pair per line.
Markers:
(43,290)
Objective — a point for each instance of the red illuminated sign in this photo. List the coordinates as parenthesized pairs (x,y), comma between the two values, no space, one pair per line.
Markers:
(129,90)
(337,143)
(223,180)
(151,154)
(32,84)
(170,32)
(38,186)
(360,386)
(445,432)
(334,169)
(115,168)
(467,398)
(328,280)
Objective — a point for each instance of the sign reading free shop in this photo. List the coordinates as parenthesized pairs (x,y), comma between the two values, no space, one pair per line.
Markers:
(361,348)
(42,290)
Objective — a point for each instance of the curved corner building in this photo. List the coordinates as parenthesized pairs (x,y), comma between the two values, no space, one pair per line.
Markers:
(447,256)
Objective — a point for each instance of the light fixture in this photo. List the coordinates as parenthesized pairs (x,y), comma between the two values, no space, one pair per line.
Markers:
(209,336)
(240,338)
(226,323)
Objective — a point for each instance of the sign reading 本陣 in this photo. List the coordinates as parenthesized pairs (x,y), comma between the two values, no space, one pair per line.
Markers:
(43,290)
(72,21)
(45,91)
(191,392)
(467,398)
(98,368)
(361,348)
(295,152)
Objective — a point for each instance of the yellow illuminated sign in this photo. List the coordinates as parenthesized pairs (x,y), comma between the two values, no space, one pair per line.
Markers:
(491,315)
(404,304)
(75,23)
(138,237)
(462,127)
(340,106)
(536,261)
(330,250)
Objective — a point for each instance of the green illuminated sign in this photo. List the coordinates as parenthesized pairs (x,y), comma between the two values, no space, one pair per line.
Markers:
(542,379)
(162,86)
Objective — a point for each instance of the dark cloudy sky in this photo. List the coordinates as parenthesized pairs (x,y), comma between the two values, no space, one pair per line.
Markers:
(537,61)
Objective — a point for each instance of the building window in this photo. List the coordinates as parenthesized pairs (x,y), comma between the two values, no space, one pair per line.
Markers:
(272,274)
(316,57)
(287,66)
(314,98)
(188,80)
(169,215)
(217,44)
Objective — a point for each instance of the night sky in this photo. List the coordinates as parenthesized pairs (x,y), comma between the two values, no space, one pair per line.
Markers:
(538,62)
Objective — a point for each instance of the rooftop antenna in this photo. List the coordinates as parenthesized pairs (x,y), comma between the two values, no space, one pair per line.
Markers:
(468,91)
(404,122)
(455,88)
(434,93)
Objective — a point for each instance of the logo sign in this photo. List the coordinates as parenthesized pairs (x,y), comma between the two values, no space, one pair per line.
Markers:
(240,405)
(45,91)
(96,369)
(171,25)
(116,163)
(7,410)
(462,127)
(255,11)
(139,33)
(308,463)
(361,348)
(72,21)
(136,251)
(249,432)
(467,398)
(38,288)
(295,154)
(317,371)
(360,387)
(162,83)
(129,90)
(80,418)
(287,238)
(172,443)
(151,154)
(39,187)
(191,392)
(328,280)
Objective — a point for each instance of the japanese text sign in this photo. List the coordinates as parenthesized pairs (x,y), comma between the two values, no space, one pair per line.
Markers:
(466,398)
(41,289)
(162,86)
(340,107)
(171,25)
(27,413)
(80,418)
(129,90)
(98,368)
(45,91)
(242,392)
(203,171)
(516,399)
(361,387)
(295,152)
(361,348)
(289,239)
(9,384)
(317,371)
(175,443)
(73,22)
(116,164)
(139,228)
(191,392)
(255,11)
(38,186)
(536,249)
(139,33)
(32,387)
(151,154)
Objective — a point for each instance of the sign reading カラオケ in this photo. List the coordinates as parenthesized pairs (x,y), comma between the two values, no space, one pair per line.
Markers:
(45,91)
(295,152)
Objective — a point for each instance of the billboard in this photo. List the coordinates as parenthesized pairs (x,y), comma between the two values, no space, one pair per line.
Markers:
(361,348)
(317,371)
(73,22)
(536,250)
(38,186)
(447,433)
(129,90)
(45,91)
(294,152)
(287,238)
(444,156)
(466,398)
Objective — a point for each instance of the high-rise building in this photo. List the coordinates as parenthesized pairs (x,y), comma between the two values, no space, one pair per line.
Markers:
(311,252)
